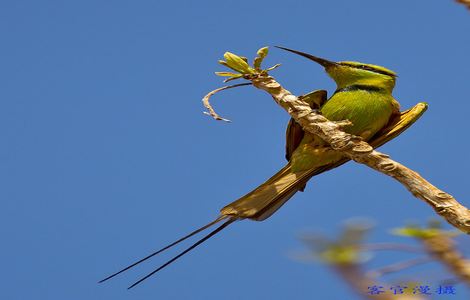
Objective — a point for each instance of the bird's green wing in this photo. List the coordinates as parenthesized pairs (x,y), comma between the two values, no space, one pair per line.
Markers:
(294,132)
(398,123)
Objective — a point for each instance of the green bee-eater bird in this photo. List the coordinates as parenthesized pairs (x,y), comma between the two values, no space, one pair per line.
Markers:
(363,96)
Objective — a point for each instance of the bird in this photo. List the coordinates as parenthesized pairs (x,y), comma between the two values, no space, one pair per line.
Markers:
(363,96)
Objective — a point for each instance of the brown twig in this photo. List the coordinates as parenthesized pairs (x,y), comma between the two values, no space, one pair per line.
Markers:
(207,104)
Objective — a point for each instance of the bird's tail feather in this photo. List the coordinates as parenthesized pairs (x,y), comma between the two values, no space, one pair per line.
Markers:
(266,199)
(220,218)
(202,240)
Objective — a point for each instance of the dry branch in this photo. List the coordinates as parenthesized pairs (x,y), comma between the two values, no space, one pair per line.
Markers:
(207,104)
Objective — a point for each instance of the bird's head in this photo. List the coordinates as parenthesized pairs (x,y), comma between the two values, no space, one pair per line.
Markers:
(347,73)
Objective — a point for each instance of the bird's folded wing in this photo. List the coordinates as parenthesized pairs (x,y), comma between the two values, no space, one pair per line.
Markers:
(294,132)
(395,127)
(398,124)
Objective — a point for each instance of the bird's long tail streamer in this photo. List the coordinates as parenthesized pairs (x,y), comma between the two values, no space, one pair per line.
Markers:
(212,233)
(220,218)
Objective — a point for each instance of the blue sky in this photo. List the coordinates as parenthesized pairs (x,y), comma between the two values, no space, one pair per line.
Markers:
(105,153)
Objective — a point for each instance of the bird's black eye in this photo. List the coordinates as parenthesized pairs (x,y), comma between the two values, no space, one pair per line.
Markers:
(366,68)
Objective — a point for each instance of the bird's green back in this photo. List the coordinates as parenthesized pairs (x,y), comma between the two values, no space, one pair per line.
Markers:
(363,96)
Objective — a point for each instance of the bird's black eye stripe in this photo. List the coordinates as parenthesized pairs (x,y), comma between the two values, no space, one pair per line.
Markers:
(364,67)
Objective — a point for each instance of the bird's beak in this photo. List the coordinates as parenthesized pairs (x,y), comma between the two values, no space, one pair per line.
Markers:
(324,62)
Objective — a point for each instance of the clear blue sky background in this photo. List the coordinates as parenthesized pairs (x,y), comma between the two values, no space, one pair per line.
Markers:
(105,153)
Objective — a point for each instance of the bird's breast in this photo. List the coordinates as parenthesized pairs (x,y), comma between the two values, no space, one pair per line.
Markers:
(369,111)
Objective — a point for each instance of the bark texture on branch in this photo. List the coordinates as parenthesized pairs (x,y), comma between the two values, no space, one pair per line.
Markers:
(356,149)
